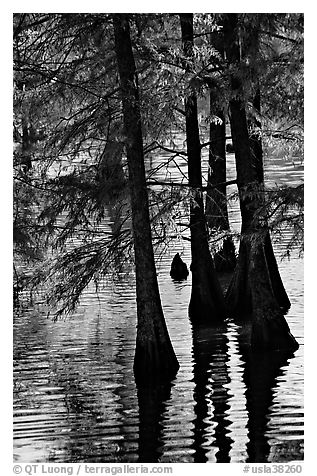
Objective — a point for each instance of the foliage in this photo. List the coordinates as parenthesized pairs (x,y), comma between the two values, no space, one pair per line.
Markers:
(285,211)
(68,126)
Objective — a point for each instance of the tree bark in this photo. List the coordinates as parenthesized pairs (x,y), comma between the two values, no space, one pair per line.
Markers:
(206,302)
(154,359)
(216,197)
(216,201)
(26,143)
(270,330)
(256,288)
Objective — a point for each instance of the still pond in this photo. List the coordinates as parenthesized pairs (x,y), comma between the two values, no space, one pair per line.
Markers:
(75,398)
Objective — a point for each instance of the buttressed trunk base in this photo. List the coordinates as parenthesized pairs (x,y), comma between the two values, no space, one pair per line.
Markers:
(252,294)
(270,330)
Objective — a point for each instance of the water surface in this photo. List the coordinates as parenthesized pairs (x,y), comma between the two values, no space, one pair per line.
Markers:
(75,399)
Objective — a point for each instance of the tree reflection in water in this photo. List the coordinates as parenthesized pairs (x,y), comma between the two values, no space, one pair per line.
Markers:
(152,404)
(210,351)
(260,377)
(212,397)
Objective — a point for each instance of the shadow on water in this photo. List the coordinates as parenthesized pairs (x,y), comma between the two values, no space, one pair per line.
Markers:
(260,377)
(210,352)
(152,405)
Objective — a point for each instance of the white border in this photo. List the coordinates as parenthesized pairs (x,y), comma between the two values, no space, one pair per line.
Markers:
(310,197)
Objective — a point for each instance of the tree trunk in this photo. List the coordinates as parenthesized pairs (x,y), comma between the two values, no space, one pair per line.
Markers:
(216,196)
(256,273)
(26,143)
(270,330)
(155,359)
(257,160)
(216,201)
(206,303)
(255,136)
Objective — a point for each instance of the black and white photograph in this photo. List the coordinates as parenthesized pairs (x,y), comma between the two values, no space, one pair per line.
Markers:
(158,241)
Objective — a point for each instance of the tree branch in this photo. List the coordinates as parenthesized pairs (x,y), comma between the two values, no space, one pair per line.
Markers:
(186,185)
(280,37)
(167,149)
